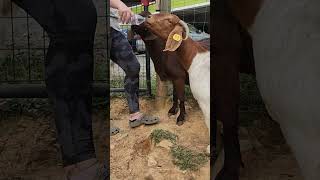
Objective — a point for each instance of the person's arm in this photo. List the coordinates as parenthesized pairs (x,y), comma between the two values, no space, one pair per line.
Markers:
(125,12)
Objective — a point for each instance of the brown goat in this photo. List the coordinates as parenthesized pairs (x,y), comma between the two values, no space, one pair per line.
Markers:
(232,50)
(167,66)
(192,55)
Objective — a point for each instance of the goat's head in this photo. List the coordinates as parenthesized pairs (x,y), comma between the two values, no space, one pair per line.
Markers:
(168,27)
(141,29)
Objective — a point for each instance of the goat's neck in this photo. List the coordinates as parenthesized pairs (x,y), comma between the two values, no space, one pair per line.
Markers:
(187,51)
(154,48)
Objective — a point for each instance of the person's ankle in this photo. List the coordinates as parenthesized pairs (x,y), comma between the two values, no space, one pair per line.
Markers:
(136,115)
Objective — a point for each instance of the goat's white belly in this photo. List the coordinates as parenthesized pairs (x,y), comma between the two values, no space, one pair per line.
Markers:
(286,40)
(199,77)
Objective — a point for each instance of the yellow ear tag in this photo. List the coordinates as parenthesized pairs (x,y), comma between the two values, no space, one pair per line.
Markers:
(176,37)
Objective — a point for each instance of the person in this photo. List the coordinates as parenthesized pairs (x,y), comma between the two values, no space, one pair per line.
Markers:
(122,54)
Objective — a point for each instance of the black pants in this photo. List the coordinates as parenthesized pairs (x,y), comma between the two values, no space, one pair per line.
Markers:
(122,54)
(71,26)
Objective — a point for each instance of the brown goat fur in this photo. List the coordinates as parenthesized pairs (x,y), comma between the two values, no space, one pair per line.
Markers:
(167,66)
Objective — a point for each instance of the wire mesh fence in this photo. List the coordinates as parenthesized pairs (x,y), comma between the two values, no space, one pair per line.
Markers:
(23,45)
(117,75)
(195,12)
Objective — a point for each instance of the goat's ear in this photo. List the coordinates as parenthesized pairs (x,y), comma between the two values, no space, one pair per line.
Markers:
(174,39)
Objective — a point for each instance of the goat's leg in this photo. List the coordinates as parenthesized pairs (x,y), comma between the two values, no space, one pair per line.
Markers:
(226,85)
(226,94)
(174,109)
(179,86)
(227,97)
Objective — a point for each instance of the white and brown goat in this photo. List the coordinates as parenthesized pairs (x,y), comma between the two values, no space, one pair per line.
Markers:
(194,57)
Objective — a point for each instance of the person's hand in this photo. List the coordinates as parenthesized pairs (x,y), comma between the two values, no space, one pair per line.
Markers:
(125,13)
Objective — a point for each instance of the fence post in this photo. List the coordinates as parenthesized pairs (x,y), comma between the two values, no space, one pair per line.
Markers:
(162,87)
(145,4)
(165,5)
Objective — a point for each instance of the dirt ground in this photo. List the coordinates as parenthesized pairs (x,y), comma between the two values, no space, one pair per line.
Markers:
(265,154)
(29,151)
(133,156)
(28,147)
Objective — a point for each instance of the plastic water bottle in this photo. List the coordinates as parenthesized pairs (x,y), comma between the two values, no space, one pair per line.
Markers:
(136,19)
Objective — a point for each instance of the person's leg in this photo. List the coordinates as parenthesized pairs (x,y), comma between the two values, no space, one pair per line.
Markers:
(69,68)
(121,53)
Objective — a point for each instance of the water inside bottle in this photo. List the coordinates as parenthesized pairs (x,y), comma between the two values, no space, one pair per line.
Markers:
(137,19)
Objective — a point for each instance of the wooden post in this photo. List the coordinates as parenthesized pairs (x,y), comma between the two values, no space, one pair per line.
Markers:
(158,5)
(165,5)
(162,87)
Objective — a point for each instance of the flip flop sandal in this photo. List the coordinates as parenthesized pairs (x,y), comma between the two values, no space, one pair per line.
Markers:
(149,120)
(135,123)
(114,131)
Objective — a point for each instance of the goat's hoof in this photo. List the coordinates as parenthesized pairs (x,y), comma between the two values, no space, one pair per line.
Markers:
(173,111)
(171,114)
(180,123)
(180,119)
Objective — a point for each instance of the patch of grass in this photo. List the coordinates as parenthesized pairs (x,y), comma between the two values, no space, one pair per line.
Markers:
(187,159)
(159,134)
(183,157)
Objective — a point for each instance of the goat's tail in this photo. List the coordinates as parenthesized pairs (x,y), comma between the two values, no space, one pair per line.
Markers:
(5,7)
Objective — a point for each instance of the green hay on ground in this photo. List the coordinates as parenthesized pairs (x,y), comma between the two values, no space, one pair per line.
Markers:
(159,134)
(187,159)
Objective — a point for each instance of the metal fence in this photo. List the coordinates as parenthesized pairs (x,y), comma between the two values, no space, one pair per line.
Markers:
(117,74)
(23,46)
(195,12)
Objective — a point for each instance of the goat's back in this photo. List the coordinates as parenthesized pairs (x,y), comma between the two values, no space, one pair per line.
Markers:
(205,43)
